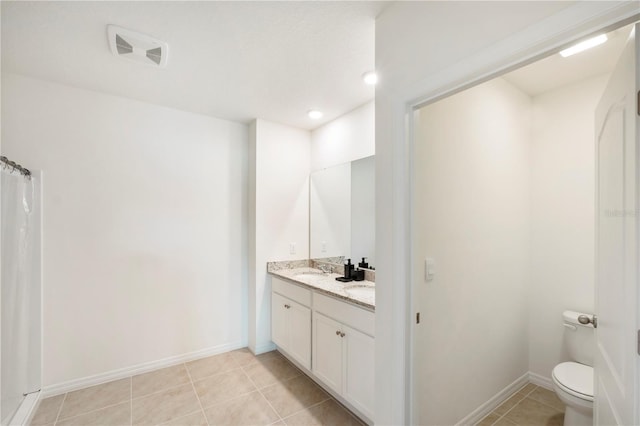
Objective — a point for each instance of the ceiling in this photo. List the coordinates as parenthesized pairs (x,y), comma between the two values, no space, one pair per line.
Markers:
(554,71)
(232,60)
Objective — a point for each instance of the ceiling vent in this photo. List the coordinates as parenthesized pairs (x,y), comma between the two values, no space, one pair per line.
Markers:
(137,47)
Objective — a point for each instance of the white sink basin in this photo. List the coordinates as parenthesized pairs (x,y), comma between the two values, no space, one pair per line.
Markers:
(360,290)
(308,274)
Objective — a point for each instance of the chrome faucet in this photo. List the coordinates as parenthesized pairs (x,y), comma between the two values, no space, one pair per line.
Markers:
(325,267)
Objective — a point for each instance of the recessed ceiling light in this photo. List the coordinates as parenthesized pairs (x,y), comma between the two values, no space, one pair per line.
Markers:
(314,114)
(370,78)
(584,45)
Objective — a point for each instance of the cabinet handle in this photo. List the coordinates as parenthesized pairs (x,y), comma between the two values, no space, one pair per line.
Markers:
(338,333)
(287,306)
(342,334)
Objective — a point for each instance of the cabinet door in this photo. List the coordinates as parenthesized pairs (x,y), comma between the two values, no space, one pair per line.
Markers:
(279,333)
(327,351)
(359,384)
(299,322)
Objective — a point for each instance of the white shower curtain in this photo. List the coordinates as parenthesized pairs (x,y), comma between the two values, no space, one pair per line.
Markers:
(20,295)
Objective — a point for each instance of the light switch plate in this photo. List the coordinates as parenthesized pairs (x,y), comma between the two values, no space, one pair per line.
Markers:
(292,248)
(429,269)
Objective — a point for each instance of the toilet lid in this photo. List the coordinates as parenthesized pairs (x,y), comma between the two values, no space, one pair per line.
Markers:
(575,377)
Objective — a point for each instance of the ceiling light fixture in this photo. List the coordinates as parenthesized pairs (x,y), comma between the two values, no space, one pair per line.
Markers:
(314,114)
(584,45)
(370,78)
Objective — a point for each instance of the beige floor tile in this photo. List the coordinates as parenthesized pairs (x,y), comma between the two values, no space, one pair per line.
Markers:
(212,365)
(222,387)
(269,370)
(251,409)
(508,404)
(506,422)
(488,420)
(523,393)
(530,412)
(195,419)
(243,356)
(48,411)
(154,381)
(164,406)
(547,397)
(95,397)
(269,355)
(116,415)
(294,395)
(328,413)
(278,423)
(530,387)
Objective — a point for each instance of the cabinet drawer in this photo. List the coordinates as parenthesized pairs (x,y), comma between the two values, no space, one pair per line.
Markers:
(292,291)
(350,315)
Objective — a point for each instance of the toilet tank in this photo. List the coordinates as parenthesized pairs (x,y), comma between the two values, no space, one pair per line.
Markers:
(579,338)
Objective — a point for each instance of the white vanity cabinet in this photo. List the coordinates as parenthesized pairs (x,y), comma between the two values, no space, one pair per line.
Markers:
(330,338)
(343,351)
(327,351)
(359,370)
(291,320)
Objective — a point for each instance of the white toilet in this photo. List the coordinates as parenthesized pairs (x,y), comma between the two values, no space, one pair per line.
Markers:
(573,381)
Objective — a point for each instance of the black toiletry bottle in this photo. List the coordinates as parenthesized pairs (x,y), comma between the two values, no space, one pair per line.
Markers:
(364,263)
(348,273)
(348,269)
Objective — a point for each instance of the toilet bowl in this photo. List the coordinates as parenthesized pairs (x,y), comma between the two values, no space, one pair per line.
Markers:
(573,380)
(573,383)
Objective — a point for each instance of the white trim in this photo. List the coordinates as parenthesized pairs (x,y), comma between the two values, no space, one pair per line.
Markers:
(122,373)
(40,175)
(536,42)
(540,380)
(494,402)
(392,128)
(27,409)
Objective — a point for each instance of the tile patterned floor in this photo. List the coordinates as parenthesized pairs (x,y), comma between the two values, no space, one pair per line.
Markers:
(530,406)
(234,388)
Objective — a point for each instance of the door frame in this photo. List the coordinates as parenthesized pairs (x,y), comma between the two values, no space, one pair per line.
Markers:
(536,42)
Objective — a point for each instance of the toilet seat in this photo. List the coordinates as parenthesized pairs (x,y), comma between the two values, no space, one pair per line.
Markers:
(575,379)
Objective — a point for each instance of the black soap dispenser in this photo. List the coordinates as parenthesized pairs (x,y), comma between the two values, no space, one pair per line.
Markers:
(363,264)
(348,272)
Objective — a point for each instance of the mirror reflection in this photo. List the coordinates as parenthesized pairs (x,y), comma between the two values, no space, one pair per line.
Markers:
(342,212)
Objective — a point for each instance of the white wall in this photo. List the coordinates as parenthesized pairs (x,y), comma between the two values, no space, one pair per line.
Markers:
(562,213)
(145,243)
(280,214)
(471,206)
(414,64)
(347,138)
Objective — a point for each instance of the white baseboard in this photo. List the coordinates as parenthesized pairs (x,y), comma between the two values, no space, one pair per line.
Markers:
(479,413)
(27,409)
(122,373)
(540,380)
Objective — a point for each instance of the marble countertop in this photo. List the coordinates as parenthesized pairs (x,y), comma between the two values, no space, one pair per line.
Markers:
(355,292)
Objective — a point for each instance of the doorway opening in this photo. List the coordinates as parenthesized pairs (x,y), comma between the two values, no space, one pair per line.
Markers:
(504,236)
